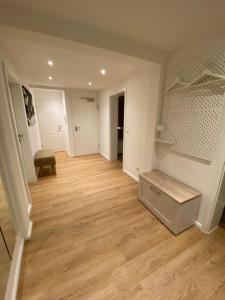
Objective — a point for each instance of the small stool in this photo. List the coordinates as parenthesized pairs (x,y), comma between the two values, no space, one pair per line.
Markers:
(45,158)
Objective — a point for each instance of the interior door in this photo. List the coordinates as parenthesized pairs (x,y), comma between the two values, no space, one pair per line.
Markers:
(22,131)
(85,126)
(51,118)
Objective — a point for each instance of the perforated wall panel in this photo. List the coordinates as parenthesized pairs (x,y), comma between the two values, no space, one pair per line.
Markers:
(192,117)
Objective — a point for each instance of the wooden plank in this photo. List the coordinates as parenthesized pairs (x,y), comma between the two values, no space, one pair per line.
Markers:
(170,186)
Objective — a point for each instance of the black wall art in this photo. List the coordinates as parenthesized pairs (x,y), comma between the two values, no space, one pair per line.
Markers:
(28,101)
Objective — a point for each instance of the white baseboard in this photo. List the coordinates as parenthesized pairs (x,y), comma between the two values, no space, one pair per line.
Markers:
(29,209)
(131,175)
(104,155)
(69,153)
(209,231)
(11,289)
(202,229)
(198,225)
(29,233)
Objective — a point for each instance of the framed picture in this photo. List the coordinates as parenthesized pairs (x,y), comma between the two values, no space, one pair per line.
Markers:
(29,106)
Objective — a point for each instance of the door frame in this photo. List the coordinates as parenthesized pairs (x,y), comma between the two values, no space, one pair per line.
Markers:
(10,160)
(8,76)
(19,112)
(112,134)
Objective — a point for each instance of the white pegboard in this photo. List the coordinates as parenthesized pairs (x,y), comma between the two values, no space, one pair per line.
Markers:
(192,116)
(189,71)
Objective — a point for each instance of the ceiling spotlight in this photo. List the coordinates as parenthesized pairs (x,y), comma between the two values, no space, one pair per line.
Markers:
(103,71)
(50,62)
(89,83)
(50,77)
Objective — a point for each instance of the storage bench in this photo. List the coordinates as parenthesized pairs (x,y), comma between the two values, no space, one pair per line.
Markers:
(45,158)
(173,202)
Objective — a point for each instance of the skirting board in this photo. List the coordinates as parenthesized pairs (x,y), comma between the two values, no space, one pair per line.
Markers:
(29,233)
(200,227)
(29,209)
(13,280)
(131,175)
(104,155)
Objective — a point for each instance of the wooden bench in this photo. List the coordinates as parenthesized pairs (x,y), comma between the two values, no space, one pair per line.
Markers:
(173,202)
(45,158)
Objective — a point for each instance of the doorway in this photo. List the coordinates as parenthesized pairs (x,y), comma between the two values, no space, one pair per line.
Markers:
(50,111)
(117,121)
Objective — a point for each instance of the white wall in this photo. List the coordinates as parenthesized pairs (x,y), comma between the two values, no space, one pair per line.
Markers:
(71,95)
(199,48)
(141,100)
(201,176)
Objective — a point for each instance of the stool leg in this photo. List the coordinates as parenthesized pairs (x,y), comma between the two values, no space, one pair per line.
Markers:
(54,169)
(40,173)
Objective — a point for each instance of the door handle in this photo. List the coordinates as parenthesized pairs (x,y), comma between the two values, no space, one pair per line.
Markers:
(20,136)
(59,128)
(77,128)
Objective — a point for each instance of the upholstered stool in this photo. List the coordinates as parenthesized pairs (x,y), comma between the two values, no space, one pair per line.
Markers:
(43,158)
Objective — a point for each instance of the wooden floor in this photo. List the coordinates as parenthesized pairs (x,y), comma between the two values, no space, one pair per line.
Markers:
(92,239)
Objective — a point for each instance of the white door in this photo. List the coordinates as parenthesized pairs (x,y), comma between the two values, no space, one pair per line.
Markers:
(22,131)
(85,126)
(51,118)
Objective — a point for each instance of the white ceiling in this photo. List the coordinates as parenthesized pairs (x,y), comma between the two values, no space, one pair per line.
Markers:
(164,24)
(74,66)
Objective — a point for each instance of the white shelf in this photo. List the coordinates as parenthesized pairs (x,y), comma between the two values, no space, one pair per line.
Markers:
(176,85)
(164,141)
(206,78)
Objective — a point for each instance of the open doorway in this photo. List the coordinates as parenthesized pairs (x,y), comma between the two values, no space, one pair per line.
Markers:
(117,121)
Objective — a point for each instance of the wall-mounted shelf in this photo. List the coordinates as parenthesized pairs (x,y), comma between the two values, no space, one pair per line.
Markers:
(206,78)
(163,141)
(176,85)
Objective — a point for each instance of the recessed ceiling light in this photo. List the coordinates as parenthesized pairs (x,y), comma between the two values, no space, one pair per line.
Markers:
(50,62)
(103,71)
(50,77)
(89,83)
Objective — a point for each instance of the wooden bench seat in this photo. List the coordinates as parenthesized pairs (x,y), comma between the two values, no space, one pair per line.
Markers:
(44,158)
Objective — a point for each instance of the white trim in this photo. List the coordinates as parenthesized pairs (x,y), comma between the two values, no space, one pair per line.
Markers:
(29,233)
(11,289)
(198,225)
(69,153)
(201,228)
(104,155)
(131,175)
(210,231)
(29,209)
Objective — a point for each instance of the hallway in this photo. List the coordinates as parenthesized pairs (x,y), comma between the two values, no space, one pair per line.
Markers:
(92,239)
